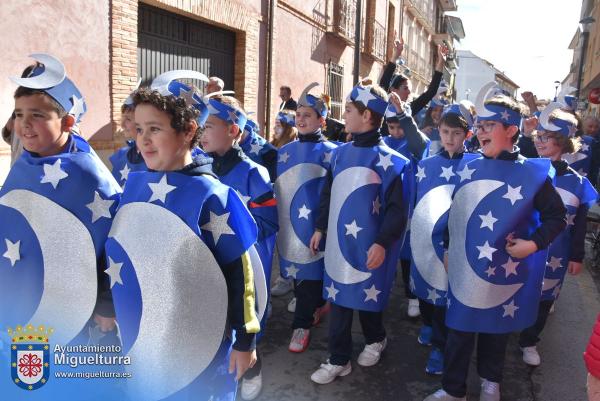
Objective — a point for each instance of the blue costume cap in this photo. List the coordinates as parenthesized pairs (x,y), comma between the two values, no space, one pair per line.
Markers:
(225,112)
(493,112)
(167,85)
(564,97)
(438,102)
(286,118)
(363,94)
(461,111)
(50,77)
(251,126)
(550,123)
(315,103)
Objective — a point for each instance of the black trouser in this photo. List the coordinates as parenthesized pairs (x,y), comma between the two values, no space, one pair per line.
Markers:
(491,350)
(340,332)
(530,336)
(309,297)
(440,330)
(405,265)
(426,312)
(254,370)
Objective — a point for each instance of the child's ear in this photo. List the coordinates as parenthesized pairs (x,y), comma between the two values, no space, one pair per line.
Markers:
(234,131)
(366,116)
(512,130)
(189,136)
(67,123)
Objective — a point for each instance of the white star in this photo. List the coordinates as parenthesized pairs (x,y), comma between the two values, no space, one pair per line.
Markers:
(292,270)
(385,161)
(490,271)
(376,205)
(53,174)
(505,115)
(12,251)
(352,229)
(420,173)
(486,251)
(371,293)
(303,212)
(487,220)
(125,172)
(364,96)
(218,226)
(447,173)
(78,108)
(244,199)
(188,96)
(327,157)
(331,291)
(465,173)
(233,117)
(114,271)
(570,219)
(100,207)
(212,109)
(513,194)
(255,148)
(160,189)
(510,267)
(554,263)
(432,295)
(283,158)
(584,147)
(556,291)
(510,309)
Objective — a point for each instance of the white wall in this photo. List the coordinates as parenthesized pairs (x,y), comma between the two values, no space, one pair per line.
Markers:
(472,73)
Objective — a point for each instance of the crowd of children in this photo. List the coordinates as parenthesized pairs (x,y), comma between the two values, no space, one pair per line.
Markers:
(172,252)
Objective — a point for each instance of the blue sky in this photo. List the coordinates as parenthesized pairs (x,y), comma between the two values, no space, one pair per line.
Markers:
(526,39)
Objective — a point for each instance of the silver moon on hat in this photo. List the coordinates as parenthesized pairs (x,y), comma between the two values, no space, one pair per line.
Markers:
(485,93)
(54,73)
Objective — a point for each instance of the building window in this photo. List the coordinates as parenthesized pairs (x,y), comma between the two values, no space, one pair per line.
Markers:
(335,89)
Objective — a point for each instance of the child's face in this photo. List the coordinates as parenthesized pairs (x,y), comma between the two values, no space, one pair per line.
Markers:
(307,120)
(218,136)
(452,138)
(38,125)
(162,148)
(436,114)
(128,124)
(356,122)
(403,90)
(546,145)
(495,138)
(395,130)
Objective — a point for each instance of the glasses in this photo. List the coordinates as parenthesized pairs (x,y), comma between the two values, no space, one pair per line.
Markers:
(542,137)
(486,127)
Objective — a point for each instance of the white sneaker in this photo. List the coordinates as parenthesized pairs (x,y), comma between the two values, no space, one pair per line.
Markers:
(413,308)
(282,286)
(531,356)
(251,387)
(441,395)
(328,372)
(292,305)
(371,354)
(551,311)
(490,391)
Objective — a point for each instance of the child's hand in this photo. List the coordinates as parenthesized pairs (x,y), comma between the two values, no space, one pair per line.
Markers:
(574,268)
(398,48)
(241,361)
(395,101)
(106,324)
(375,256)
(314,242)
(529,125)
(520,248)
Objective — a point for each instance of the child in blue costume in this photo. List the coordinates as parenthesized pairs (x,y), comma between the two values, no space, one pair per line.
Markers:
(252,183)
(363,211)
(504,215)
(301,172)
(553,138)
(257,148)
(179,264)
(436,178)
(56,209)
(128,158)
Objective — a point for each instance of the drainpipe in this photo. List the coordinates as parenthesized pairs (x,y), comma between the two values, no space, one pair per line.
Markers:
(357,40)
(269,72)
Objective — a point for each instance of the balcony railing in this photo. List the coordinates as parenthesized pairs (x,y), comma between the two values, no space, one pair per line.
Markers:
(344,19)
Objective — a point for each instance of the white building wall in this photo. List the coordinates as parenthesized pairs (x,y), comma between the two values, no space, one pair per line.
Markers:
(473,73)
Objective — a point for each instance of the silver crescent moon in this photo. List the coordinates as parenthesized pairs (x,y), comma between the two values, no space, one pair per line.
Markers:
(470,289)
(344,184)
(567,90)
(545,117)
(69,257)
(54,73)
(428,211)
(549,283)
(302,101)
(260,282)
(289,246)
(481,98)
(166,77)
(568,198)
(184,299)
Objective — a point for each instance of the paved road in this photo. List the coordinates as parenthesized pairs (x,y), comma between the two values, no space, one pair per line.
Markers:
(400,374)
